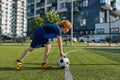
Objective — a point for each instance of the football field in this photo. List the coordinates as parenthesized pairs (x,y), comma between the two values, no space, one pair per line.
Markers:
(86,63)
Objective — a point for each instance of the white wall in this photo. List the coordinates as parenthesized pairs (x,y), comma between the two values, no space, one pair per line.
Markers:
(105,26)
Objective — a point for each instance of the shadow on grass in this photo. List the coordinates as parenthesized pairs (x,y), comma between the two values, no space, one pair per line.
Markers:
(53,64)
(52,68)
(27,68)
(7,68)
(95,64)
(39,68)
(39,63)
(33,63)
(110,50)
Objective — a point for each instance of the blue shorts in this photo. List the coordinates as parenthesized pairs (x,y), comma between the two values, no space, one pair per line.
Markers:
(39,43)
(38,40)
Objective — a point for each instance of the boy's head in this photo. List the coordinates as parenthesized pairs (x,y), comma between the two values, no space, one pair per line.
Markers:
(65,24)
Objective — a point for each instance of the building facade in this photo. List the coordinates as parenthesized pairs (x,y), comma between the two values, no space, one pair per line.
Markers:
(86,13)
(105,28)
(37,8)
(112,25)
(96,11)
(13,18)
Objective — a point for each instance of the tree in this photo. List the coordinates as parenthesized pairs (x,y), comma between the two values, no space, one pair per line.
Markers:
(37,21)
(52,17)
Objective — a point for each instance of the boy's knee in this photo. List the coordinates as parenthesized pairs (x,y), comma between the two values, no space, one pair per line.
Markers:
(48,46)
(31,49)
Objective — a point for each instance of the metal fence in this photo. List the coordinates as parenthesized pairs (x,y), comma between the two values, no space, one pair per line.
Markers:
(86,40)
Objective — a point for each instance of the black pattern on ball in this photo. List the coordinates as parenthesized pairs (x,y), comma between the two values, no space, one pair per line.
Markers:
(61,60)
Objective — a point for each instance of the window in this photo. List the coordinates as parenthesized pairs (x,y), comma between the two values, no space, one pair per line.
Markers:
(22,3)
(82,22)
(106,1)
(37,0)
(49,1)
(30,1)
(38,4)
(102,1)
(100,31)
(37,12)
(85,3)
(62,5)
(114,30)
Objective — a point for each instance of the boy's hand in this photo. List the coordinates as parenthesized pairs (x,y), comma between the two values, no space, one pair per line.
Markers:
(62,55)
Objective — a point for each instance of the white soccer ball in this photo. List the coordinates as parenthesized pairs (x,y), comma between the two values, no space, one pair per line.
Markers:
(63,62)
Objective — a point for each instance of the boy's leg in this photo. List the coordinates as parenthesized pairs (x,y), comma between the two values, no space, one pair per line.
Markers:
(46,54)
(25,53)
(18,62)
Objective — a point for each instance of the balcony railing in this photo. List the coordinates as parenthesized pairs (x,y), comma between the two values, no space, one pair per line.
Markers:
(106,6)
(116,11)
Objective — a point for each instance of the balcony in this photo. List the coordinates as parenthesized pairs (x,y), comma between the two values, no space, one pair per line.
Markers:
(116,11)
(105,6)
(63,10)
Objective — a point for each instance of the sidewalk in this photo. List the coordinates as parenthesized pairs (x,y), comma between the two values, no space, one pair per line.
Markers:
(103,44)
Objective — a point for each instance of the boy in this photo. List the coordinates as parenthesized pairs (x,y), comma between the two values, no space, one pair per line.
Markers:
(41,39)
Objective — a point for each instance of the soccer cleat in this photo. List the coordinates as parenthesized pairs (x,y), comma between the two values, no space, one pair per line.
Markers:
(45,66)
(18,64)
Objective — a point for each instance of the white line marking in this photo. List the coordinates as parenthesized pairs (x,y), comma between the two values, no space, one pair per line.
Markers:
(71,51)
(68,75)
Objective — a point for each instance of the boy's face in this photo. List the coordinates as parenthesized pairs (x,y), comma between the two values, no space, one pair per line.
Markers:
(65,30)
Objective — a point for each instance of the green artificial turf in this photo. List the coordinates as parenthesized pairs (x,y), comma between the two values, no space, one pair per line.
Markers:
(86,63)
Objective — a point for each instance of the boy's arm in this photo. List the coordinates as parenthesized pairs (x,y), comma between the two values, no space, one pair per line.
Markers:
(59,40)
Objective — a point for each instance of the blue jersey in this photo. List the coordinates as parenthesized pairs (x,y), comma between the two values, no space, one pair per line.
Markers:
(51,30)
(43,33)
